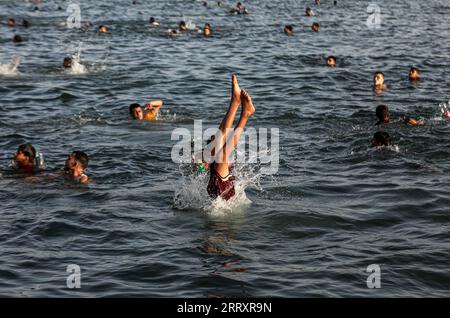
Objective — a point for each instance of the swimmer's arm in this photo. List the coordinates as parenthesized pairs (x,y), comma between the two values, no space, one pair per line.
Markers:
(155,104)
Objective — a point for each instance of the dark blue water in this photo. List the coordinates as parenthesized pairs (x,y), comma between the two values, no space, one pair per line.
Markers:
(333,208)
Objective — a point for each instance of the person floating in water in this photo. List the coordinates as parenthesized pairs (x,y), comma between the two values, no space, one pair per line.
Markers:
(414,74)
(152,108)
(289,30)
(76,163)
(11,22)
(239,9)
(207,30)
(380,139)
(182,26)
(153,21)
(309,12)
(25,159)
(378,82)
(221,182)
(383,115)
(102,29)
(68,62)
(331,61)
(17,39)
(315,27)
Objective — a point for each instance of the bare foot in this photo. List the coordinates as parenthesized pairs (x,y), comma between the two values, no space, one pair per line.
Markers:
(235,90)
(247,103)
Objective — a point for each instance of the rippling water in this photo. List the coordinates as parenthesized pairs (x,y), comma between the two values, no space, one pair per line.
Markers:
(312,229)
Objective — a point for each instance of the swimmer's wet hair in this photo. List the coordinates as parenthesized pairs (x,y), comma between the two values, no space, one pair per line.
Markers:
(28,150)
(332,57)
(382,138)
(289,27)
(82,158)
(414,69)
(25,23)
(381,111)
(67,63)
(133,107)
(17,38)
(378,72)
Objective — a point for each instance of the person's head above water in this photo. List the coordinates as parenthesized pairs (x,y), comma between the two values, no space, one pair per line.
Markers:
(25,23)
(309,12)
(182,26)
(36,9)
(77,160)
(102,29)
(414,74)
(207,29)
(136,111)
(378,79)
(381,139)
(382,113)
(17,38)
(315,27)
(153,21)
(331,61)
(288,29)
(67,63)
(25,157)
(11,22)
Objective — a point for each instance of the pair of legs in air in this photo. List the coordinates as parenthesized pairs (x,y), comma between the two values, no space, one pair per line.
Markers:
(223,146)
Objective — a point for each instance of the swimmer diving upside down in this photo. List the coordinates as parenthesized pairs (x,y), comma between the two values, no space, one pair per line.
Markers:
(221,182)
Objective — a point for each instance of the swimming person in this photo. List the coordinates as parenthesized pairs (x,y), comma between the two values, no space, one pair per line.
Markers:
(378,82)
(221,182)
(68,62)
(414,74)
(331,61)
(76,163)
(207,30)
(309,12)
(153,21)
(383,115)
(288,29)
(315,27)
(102,29)
(11,22)
(17,39)
(380,139)
(25,159)
(152,108)
(182,26)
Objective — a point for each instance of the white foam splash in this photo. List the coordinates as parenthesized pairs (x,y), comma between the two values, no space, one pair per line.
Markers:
(192,192)
(11,67)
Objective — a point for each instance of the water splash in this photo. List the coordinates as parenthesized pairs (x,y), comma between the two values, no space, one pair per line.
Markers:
(191,193)
(11,67)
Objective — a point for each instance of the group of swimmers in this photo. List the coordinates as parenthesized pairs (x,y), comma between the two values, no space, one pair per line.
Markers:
(27,161)
(220,146)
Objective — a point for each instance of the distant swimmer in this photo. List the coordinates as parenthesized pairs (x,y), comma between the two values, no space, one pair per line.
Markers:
(36,10)
(68,62)
(220,4)
(17,39)
(414,74)
(102,29)
(378,82)
(315,27)
(87,24)
(221,181)
(335,2)
(317,2)
(182,26)
(288,29)
(25,159)
(172,32)
(11,22)
(152,108)
(207,30)
(381,139)
(309,12)
(76,163)
(239,9)
(383,115)
(331,61)
(153,21)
